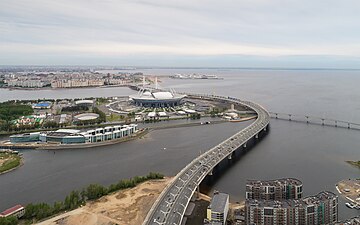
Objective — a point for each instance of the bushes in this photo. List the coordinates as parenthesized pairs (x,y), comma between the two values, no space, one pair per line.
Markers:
(95,191)
(75,108)
(102,116)
(75,198)
(8,220)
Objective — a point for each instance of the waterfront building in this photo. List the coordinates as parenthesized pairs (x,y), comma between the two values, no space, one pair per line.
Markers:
(218,209)
(17,211)
(314,210)
(27,83)
(280,189)
(70,136)
(27,137)
(84,82)
(156,99)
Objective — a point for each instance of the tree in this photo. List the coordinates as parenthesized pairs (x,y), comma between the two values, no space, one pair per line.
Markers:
(8,220)
(95,191)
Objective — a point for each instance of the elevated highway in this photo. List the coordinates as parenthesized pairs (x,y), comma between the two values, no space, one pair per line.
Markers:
(169,208)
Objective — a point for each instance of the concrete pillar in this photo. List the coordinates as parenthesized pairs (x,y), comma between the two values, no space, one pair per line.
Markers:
(257,135)
(322,123)
(211,172)
(307,119)
(348,125)
(198,191)
(265,128)
(289,117)
(276,115)
(230,156)
(335,123)
(245,145)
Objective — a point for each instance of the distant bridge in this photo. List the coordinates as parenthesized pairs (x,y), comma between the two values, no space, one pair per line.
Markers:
(170,206)
(315,120)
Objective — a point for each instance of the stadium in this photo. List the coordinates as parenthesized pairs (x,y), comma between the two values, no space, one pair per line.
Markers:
(156,98)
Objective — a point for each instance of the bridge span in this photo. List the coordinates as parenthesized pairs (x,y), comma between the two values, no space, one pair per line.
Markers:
(169,208)
(323,121)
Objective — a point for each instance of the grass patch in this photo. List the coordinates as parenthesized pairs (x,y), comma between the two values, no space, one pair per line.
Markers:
(9,161)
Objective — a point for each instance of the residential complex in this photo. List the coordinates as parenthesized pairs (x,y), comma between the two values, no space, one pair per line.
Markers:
(65,79)
(280,189)
(280,202)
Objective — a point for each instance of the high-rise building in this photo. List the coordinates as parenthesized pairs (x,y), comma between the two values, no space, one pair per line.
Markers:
(281,189)
(314,210)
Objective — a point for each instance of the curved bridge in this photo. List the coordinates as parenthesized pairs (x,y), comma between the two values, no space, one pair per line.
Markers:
(169,208)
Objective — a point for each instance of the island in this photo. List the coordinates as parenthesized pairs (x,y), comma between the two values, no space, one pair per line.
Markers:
(9,160)
(354,163)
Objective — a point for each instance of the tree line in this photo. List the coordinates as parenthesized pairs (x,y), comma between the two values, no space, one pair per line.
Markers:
(38,211)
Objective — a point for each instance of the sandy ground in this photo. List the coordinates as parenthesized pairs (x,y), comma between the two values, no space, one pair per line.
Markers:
(350,189)
(127,207)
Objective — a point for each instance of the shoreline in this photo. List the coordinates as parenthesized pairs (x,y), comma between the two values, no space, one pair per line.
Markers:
(354,163)
(50,88)
(14,168)
(128,206)
(349,189)
(139,134)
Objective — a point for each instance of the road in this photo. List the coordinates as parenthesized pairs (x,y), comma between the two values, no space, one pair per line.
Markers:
(169,208)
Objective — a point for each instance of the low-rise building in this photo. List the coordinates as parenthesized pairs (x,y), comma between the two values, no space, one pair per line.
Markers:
(69,136)
(218,209)
(17,211)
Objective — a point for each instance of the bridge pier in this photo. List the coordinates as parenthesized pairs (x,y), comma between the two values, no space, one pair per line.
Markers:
(230,156)
(245,144)
(211,172)
(257,136)
(276,115)
(322,123)
(348,125)
(335,123)
(307,119)
(289,117)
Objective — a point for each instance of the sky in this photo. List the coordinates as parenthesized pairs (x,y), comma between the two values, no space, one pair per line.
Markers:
(203,33)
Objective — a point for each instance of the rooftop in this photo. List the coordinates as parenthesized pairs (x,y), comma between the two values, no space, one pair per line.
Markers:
(277,182)
(11,210)
(307,201)
(218,202)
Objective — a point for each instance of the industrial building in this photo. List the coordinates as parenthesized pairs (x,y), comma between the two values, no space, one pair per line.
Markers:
(280,189)
(314,210)
(218,209)
(69,136)
(156,99)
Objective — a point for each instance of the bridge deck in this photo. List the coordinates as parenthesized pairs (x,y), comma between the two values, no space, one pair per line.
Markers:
(170,207)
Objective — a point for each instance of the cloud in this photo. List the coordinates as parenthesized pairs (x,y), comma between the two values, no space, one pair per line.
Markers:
(110,28)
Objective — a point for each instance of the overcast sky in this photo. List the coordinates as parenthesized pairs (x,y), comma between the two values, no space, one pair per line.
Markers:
(238,33)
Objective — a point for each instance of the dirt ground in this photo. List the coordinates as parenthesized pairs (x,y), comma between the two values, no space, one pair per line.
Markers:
(127,207)
(350,189)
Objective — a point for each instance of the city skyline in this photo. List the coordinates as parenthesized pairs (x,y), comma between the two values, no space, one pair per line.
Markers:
(321,34)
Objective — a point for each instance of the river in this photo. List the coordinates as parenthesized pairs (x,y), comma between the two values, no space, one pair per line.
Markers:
(312,153)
